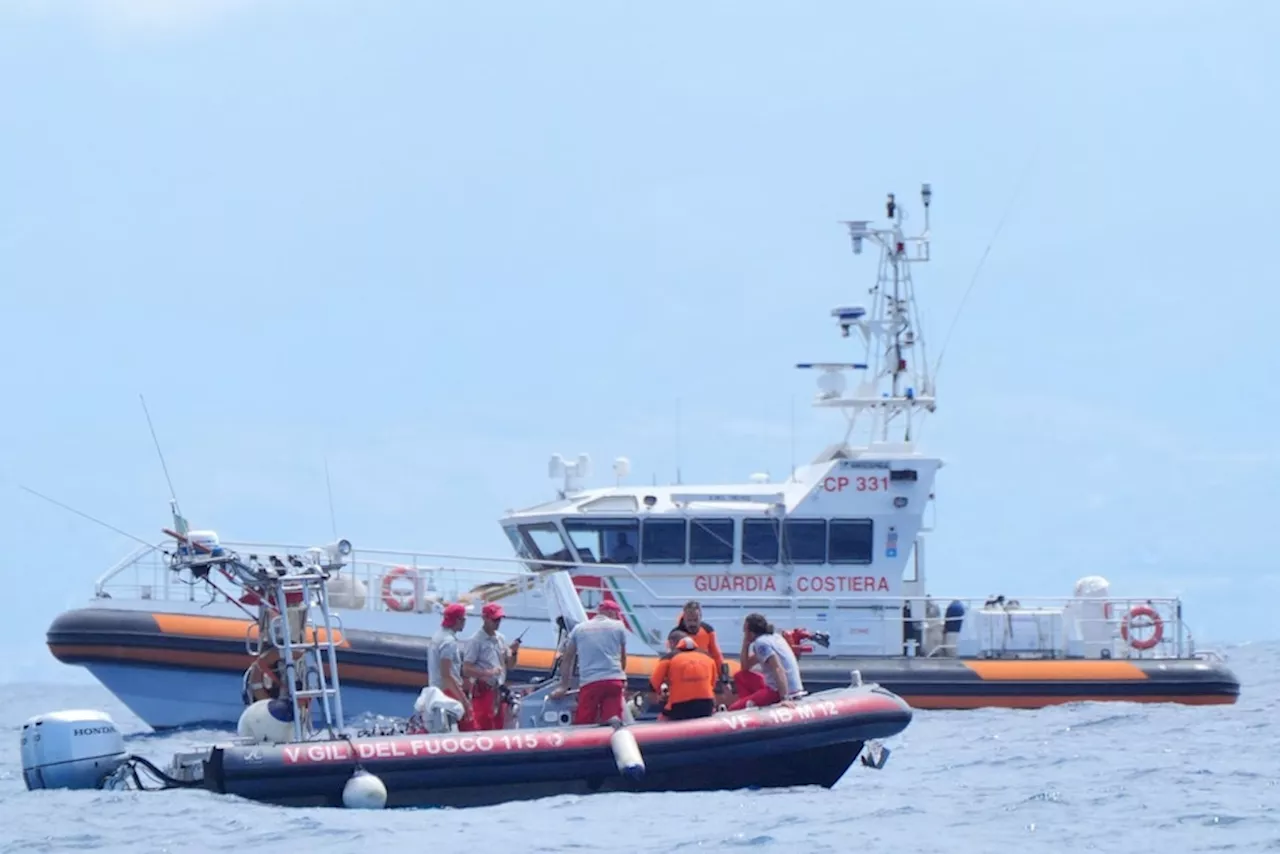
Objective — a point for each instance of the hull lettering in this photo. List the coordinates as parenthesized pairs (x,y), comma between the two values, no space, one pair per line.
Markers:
(734,584)
(842,584)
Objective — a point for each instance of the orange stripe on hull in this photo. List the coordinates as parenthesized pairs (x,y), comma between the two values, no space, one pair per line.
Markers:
(1030,701)
(388,676)
(1055,671)
(223,628)
(543,659)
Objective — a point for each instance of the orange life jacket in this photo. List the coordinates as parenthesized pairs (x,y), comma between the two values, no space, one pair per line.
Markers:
(705,638)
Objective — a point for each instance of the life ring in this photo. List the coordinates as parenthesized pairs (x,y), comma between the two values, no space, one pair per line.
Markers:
(393,601)
(1156,623)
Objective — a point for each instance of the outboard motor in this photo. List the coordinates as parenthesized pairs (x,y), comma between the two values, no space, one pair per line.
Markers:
(75,749)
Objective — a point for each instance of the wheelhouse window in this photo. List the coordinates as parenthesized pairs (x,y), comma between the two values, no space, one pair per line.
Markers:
(804,541)
(710,541)
(760,541)
(605,540)
(662,541)
(850,541)
(540,541)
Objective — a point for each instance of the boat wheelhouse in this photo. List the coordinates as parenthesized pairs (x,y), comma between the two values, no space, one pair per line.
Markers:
(836,547)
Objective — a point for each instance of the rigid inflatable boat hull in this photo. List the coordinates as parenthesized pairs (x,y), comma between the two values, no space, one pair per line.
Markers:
(813,743)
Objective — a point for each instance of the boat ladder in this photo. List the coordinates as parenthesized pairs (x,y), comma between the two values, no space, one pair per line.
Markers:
(311,641)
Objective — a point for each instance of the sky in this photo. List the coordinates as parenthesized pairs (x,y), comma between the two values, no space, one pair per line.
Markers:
(431,244)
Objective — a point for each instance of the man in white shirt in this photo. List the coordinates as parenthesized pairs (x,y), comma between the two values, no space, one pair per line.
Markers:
(763,646)
(599,647)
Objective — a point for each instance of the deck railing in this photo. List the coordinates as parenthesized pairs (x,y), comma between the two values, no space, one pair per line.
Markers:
(1034,627)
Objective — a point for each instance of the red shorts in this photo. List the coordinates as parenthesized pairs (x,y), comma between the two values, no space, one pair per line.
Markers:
(599,701)
(485,711)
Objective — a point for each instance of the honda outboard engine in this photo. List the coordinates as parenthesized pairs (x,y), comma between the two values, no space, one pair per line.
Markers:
(75,749)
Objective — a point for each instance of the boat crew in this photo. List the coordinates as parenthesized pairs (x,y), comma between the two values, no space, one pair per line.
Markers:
(703,635)
(599,647)
(444,662)
(779,670)
(690,677)
(485,662)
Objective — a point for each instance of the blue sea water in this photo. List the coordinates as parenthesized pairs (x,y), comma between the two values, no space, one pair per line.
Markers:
(1083,777)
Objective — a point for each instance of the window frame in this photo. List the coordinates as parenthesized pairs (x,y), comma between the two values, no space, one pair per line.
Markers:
(868,525)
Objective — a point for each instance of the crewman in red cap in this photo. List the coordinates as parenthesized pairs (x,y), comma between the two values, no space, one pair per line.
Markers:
(485,663)
(444,661)
(599,646)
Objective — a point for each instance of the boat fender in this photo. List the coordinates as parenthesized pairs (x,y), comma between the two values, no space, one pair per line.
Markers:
(73,749)
(268,721)
(364,791)
(626,753)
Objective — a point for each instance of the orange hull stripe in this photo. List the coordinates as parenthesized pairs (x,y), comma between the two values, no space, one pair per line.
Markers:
(543,659)
(1054,671)
(222,628)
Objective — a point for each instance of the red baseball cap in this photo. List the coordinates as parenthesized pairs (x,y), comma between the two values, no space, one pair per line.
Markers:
(454,614)
(610,606)
(493,611)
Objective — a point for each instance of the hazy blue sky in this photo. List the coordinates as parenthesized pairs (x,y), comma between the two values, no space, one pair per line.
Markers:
(439,242)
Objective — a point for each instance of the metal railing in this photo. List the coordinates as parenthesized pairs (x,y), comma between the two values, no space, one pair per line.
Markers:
(422,582)
(411,581)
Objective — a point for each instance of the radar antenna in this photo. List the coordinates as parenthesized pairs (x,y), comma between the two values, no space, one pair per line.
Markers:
(896,381)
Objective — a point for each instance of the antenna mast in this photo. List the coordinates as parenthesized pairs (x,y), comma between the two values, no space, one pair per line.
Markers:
(894,344)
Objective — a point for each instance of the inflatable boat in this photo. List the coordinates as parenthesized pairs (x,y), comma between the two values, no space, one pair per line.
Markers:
(295,750)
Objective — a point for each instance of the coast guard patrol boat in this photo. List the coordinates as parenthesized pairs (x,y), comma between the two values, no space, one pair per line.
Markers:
(835,554)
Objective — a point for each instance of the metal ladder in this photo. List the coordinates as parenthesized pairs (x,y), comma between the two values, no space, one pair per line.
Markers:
(312,582)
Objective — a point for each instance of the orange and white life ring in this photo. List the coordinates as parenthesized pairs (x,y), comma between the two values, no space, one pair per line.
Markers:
(399,601)
(1156,623)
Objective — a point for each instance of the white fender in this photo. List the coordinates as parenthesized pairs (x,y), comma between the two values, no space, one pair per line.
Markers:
(626,753)
(364,791)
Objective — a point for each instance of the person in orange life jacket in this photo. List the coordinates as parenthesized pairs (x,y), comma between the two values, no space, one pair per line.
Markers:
(485,662)
(781,672)
(703,635)
(690,677)
(444,662)
(599,648)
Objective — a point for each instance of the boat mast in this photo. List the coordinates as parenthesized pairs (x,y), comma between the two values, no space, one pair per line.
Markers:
(894,344)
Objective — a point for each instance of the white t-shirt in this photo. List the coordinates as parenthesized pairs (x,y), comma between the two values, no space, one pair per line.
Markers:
(444,647)
(599,643)
(766,646)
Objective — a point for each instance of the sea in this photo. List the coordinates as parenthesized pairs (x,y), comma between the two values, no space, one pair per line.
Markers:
(1114,777)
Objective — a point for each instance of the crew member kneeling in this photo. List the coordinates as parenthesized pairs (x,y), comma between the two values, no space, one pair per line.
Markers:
(599,648)
(778,665)
(690,674)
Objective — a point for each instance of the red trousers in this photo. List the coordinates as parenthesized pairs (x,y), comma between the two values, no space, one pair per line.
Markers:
(599,701)
(750,687)
(485,711)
